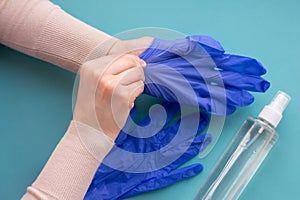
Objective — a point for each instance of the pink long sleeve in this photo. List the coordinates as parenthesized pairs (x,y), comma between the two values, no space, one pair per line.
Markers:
(43,30)
(71,167)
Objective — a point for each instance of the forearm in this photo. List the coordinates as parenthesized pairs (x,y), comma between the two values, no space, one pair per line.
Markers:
(43,30)
(71,167)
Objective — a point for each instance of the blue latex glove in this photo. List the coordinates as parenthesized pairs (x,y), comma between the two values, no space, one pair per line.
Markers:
(109,183)
(199,59)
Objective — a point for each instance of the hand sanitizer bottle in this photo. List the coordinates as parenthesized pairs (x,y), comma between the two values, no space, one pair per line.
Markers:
(246,152)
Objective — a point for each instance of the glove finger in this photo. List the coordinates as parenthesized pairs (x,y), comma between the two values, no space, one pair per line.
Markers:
(211,45)
(169,179)
(114,187)
(242,81)
(214,106)
(199,143)
(233,79)
(234,97)
(212,88)
(156,180)
(218,96)
(103,182)
(241,64)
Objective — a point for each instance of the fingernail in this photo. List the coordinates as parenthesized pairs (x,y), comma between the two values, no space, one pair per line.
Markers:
(131,106)
(143,63)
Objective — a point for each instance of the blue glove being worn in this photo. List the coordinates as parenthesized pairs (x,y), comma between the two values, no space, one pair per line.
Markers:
(220,81)
(110,183)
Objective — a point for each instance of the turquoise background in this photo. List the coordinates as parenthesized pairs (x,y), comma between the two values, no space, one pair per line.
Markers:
(35,99)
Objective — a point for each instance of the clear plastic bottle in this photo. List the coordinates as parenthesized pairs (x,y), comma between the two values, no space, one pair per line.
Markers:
(246,152)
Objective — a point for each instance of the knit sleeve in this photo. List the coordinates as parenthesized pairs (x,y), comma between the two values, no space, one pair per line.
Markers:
(72,165)
(43,30)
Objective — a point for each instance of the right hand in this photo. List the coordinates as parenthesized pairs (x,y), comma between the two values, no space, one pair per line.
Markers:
(107,90)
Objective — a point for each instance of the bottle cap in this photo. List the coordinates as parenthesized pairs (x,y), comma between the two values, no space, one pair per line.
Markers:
(272,113)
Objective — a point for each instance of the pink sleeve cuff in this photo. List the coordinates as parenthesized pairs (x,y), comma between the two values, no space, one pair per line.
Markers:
(71,167)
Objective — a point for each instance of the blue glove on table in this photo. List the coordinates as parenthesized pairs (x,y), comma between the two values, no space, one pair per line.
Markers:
(197,61)
(201,62)
(110,183)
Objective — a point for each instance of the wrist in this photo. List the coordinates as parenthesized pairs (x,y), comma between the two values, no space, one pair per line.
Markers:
(103,49)
(91,120)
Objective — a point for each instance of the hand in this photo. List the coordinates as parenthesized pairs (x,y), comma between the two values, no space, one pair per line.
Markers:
(107,90)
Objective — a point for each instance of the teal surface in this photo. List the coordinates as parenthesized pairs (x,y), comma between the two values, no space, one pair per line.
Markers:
(35,99)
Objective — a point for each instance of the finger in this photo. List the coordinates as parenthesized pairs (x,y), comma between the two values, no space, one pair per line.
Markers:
(124,63)
(134,90)
(131,75)
(241,64)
